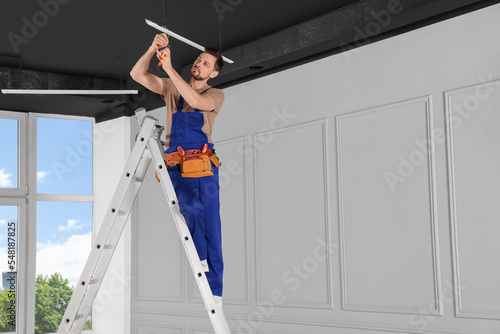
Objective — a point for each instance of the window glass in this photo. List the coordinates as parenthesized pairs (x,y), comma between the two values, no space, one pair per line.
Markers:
(64,239)
(8,267)
(9,144)
(64,156)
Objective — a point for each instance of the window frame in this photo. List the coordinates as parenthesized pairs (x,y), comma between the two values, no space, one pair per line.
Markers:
(49,198)
(21,289)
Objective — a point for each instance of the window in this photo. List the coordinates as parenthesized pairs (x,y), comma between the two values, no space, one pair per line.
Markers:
(9,146)
(64,156)
(12,217)
(13,154)
(55,187)
(63,214)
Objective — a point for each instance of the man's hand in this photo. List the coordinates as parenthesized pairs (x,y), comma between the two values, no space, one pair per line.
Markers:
(140,70)
(160,41)
(164,58)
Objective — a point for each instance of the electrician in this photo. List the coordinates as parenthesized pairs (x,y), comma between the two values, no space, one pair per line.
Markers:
(192,165)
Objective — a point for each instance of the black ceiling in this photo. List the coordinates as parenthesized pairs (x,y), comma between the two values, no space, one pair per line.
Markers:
(93,44)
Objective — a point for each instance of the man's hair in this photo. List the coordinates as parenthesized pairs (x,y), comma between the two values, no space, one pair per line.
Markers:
(216,53)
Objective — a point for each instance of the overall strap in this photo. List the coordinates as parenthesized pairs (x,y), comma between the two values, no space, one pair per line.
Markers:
(181,101)
(180,104)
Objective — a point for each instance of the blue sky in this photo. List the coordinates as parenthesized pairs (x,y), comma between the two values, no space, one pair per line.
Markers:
(8,155)
(64,166)
(64,159)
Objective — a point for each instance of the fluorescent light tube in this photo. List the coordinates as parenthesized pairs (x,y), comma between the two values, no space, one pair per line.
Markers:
(182,39)
(68,92)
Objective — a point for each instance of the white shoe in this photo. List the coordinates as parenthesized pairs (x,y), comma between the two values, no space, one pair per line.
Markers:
(204,265)
(218,301)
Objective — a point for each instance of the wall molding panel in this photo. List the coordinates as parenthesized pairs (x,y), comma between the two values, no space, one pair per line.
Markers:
(472,118)
(147,328)
(285,154)
(387,140)
(150,214)
(200,330)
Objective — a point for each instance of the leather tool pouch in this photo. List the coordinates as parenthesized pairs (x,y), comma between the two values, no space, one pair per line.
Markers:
(196,165)
(193,163)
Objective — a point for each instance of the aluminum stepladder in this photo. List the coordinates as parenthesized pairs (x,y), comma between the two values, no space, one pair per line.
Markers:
(147,147)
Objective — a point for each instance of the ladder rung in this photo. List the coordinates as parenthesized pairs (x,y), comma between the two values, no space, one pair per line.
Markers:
(92,281)
(119,213)
(104,247)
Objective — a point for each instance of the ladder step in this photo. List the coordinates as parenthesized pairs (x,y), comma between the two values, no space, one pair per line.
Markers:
(94,281)
(119,213)
(104,247)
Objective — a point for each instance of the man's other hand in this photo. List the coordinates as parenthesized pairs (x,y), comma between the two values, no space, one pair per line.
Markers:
(160,41)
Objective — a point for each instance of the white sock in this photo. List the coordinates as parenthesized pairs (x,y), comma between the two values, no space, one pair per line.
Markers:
(218,302)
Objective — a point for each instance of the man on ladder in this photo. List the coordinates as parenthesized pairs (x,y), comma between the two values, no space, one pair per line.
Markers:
(192,165)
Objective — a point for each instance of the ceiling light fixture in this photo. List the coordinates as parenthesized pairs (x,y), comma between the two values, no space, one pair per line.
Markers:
(182,39)
(68,92)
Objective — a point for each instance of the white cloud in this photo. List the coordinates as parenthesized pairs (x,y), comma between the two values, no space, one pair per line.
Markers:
(5,179)
(67,258)
(3,222)
(71,224)
(40,176)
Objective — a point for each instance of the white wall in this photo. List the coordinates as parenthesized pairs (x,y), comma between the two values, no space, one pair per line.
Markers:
(343,210)
(112,145)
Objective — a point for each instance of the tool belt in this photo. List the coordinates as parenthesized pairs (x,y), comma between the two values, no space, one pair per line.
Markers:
(194,163)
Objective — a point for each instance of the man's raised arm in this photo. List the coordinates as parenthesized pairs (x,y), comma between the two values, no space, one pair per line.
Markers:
(140,71)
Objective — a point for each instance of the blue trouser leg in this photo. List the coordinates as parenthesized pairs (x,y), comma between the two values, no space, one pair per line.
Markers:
(199,204)
(209,187)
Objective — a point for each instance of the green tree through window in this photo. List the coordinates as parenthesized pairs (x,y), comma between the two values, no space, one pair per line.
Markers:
(52,297)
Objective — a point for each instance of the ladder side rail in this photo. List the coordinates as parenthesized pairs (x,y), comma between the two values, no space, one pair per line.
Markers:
(217,318)
(215,314)
(141,114)
(114,237)
(107,225)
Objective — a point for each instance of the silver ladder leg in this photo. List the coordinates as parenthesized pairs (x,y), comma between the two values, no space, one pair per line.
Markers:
(215,313)
(102,251)
(147,147)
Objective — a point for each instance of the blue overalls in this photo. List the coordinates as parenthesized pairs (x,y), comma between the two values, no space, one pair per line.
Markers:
(198,197)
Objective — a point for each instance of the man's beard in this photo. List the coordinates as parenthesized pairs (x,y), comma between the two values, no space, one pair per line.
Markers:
(196,76)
